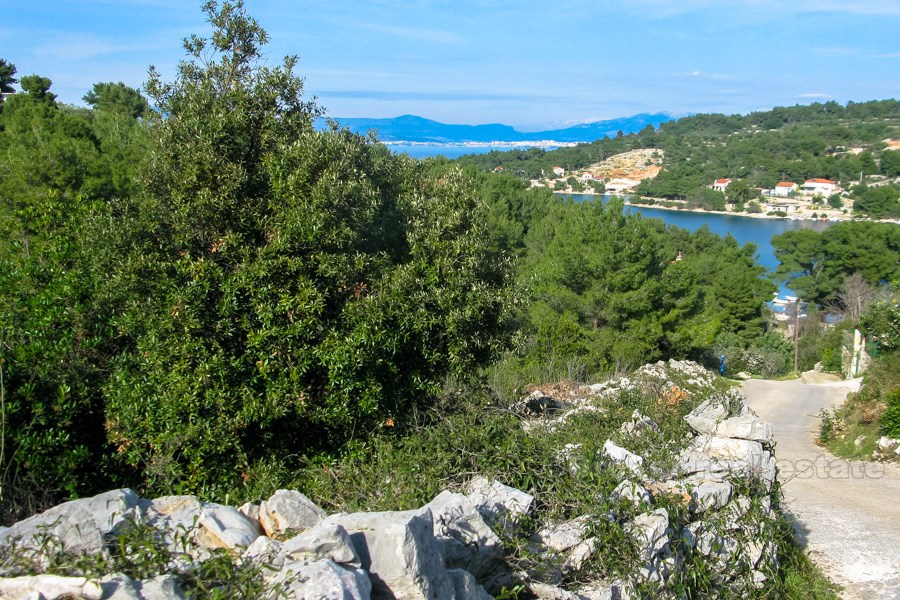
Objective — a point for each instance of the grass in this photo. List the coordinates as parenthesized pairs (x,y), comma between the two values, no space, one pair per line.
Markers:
(853,429)
(471,434)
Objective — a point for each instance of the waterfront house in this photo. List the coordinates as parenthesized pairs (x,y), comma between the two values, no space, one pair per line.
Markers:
(785,207)
(720,185)
(784,188)
(558,171)
(819,186)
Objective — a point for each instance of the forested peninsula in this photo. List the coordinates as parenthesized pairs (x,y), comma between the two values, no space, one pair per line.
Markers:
(203,294)
(856,147)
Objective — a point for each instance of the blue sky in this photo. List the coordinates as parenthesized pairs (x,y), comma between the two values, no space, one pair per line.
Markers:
(485,61)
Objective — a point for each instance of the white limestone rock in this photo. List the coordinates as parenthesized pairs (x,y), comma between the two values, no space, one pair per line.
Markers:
(887,444)
(466,587)
(499,503)
(49,587)
(600,590)
(709,495)
(288,511)
(122,587)
(651,532)
(618,455)
(226,527)
(580,554)
(633,493)
(263,549)
(464,537)
(547,591)
(162,587)
(250,510)
(400,552)
(325,540)
(639,422)
(321,580)
(712,457)
(82,526)
(562,536)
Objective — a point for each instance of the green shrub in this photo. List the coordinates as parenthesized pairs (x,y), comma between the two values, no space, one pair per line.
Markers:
(890,420)
(286,290)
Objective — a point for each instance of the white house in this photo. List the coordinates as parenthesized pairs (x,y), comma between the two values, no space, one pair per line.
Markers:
(720,185)
(558,171)
(819,186)
(784,188)
(785,207)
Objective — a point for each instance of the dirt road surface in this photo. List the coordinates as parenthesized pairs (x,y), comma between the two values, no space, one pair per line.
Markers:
(847,513)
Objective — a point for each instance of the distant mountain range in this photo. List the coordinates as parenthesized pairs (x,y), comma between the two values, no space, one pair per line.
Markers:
(410,128)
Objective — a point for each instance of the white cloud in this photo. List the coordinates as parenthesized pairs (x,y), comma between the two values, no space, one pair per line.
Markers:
(815,95)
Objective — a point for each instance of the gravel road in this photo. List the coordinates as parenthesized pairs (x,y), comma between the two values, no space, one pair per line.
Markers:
(847,513)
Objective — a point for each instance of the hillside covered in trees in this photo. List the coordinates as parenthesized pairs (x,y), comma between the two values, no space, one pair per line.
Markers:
(203,293)
(822,140)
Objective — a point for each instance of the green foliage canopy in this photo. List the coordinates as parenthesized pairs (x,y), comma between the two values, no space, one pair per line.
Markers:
(287,290)
(815,264)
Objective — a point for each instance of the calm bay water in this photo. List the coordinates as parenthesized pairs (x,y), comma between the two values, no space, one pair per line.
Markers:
(743,229)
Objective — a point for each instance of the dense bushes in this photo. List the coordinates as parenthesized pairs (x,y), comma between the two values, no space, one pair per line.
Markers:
(261,292)
(769,355)
(817,264)
(611,291)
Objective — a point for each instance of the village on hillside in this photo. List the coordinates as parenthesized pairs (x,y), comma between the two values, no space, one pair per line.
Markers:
(815,198)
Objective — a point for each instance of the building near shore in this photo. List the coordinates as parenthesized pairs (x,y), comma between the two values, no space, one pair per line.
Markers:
(785,207)
(720,185)
(819,186)
(784,189)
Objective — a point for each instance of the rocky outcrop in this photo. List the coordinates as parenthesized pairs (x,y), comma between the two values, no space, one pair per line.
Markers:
(710,501)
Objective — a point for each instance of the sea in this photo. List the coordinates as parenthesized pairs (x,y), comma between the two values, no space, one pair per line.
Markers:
(452,151)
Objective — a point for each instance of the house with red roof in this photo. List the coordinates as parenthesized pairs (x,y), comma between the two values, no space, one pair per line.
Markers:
(819,186)
(720,185)
(784,188)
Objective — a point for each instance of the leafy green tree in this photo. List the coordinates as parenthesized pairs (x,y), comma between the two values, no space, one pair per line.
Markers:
(877,202)
(7,78)
(706,198)
(117,97)
(740,192)
(287,289)
(890,163)
(613,290)
(52,350)
(38,88)
(815,264)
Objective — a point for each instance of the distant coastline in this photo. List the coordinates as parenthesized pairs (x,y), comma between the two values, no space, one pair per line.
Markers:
(803,216)
(498,145)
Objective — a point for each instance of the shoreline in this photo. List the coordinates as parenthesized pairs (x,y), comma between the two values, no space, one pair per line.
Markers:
(801,216)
